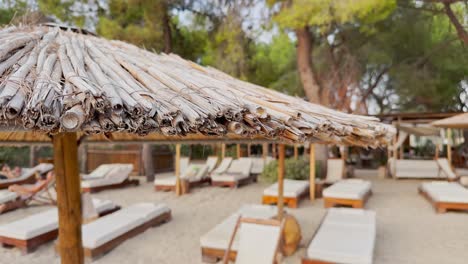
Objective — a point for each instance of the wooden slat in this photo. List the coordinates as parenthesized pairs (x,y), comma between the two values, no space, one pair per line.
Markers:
(312,172)
(280,181)
(177,171)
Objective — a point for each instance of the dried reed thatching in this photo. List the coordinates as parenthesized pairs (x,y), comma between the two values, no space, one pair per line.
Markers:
(55,80)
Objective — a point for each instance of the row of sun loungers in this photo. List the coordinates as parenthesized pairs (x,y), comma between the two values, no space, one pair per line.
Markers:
(229,173)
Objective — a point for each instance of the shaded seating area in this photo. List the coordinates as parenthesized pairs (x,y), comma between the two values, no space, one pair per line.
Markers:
(28,175)
(344,236)
(445,196)
(108,232)
(117,177)
(216,241)
(351,192)
(293,192)
(238,173)
(35,230)
(191,175)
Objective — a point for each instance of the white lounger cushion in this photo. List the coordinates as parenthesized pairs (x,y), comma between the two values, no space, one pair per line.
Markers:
(335,170)
(239,170)
(257,243)
(418,169)
(218,237)
(41,223)
(100,172)
(257,165)
(348,189)
(345,236)
(446,168)
(7,196)
(111,226)
(292,188)
(211,163)
(117,175)
(198,171)
(223,166)
(451,192)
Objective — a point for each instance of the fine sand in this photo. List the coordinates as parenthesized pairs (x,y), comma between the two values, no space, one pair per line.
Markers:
(409,231)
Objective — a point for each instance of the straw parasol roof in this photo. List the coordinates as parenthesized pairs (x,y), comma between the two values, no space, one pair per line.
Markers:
(458,122)
(55,80)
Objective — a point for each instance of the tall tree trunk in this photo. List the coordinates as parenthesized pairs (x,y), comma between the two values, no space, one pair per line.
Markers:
(166,22)
(462,33)
(147,157)
(304,64)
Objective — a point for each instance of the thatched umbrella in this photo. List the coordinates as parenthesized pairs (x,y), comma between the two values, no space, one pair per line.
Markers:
(70,86)
(455,122)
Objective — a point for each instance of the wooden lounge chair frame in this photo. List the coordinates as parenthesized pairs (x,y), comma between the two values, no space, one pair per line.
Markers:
(354,203)
(30,245)
(442,207)
(269,222)
(106,247)
(125,183)
(292,202)
(235,184)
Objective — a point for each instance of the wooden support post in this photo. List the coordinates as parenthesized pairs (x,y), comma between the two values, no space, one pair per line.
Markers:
(32,156)
(449,145)
(402,145)
(249,150)
(264,151)
(223,151)
(238,150)
(436,154)
(68,197)
(280,181)
(273,151)
(147,160)
(296,152)
(178,188)
(312,172)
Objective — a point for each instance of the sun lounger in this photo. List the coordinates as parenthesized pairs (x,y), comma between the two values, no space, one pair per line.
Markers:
(259,241)
(222,167)
(445,195)
(258,163)
(194,174)
(237,174)
(29,233)
(109,231)
(336,169)
(118,177)
(215,242)
(344,236)
(418,169)
(351,192)
(293,191)
(28,175)
(100,172)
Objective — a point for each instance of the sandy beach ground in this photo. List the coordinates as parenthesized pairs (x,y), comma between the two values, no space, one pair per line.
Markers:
(409,231)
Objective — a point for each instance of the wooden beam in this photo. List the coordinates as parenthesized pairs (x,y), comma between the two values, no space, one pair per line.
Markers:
(178,188)
(312,172)
(265,151)
(296,152)
(223,151)
(280,181)
(68,197)
(238,150)
(449,145)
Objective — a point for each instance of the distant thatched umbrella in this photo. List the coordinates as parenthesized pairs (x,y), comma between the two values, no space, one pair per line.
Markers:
(67,83)
(458,122)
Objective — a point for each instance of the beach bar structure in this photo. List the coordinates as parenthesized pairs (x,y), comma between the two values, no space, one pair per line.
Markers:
(66,86)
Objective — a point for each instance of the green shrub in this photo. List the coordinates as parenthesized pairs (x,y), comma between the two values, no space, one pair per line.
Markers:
(294,169)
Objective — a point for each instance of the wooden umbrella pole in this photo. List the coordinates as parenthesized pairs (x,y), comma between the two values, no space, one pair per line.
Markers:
(265,151)
(280,181)
(238,150)
(249,150)
(449,146)
(68,197)
(296,152)
(223,151)
(312,172)
(177,171)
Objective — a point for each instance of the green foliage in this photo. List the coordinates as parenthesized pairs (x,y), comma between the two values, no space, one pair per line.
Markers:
(325,13)
(14,156)
(294,169)
(11,10)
